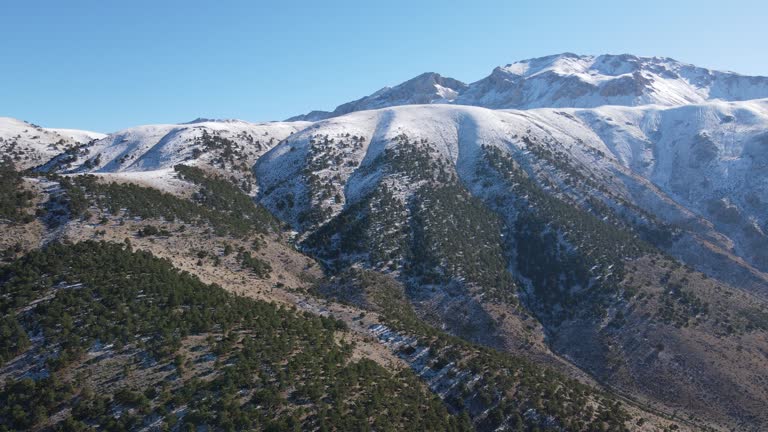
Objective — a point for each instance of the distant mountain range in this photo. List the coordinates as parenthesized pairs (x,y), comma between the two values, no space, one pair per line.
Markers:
(568,80)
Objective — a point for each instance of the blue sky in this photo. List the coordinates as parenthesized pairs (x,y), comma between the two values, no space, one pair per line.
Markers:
(107,65)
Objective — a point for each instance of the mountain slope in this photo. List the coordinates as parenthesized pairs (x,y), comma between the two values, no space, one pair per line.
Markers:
(227,361)
(570,80)
(147,154)
(709,158)
(164,349)
(31,145)
(478,212)
(147,148)
(647,157)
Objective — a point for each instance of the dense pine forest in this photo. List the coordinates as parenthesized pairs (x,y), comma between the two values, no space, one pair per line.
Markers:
(253,365)
(14,199)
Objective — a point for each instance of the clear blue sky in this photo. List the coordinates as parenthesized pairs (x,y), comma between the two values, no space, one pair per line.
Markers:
(107,65)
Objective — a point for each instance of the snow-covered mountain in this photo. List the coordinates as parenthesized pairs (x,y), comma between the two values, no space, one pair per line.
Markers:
(700,168)
(553,184)
(152,147)
(426,88)
(570,80)
(147,154)
(31,145)
(434,193)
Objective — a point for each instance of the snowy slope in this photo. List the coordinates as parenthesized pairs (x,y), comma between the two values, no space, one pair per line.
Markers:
(146,148)
(157,148)
(698,166)
(710,158)
(701,168)
(31,145)
(79,136)
(570,80)
(456,131)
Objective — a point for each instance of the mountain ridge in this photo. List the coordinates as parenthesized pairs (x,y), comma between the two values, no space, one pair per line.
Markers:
(30,145)
(569,80)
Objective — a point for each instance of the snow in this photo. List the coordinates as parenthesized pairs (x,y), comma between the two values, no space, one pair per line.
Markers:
(163,179)
(32,145)
(655,132)
(426,88)
(80,136)
(569,80)
(445,94)
(158,147)
(676,162)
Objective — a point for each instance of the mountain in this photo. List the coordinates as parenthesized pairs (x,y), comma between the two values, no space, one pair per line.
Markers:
(194,309)
(655,150)
(494,219)
(147,154)
(570,80)
(696,166)
(31,145)
(147,148)
(426,88)
(577,244)
(579,205)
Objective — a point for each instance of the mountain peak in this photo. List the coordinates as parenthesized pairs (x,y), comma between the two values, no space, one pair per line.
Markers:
(427,76)
(571,64)
(211,120)
(568,80)
(533,66)
(427,88)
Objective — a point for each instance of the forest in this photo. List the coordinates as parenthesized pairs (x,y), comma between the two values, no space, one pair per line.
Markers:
(14,199)
(217,203)
(274,369)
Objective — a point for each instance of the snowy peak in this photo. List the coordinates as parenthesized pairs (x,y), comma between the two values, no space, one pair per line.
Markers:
(569,81)
(426,88)
(209,120)
(430,87)
(590,66)
(564,64)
